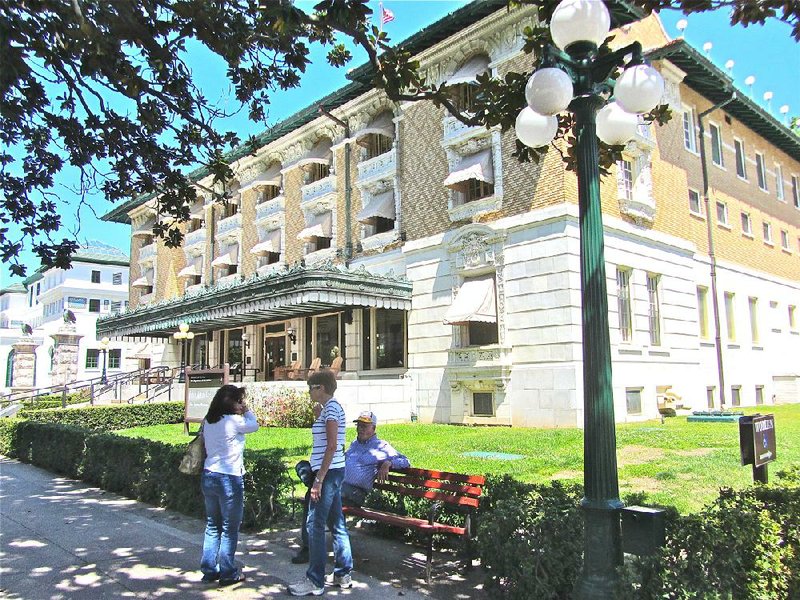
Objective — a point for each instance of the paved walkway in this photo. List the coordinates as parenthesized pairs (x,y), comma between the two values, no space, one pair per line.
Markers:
(61,539)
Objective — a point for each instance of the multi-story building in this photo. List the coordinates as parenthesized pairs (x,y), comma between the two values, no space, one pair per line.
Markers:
(417,247)
(96,285)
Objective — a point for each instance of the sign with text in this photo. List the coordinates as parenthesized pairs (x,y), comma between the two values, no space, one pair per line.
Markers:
(199,389)
(757,439)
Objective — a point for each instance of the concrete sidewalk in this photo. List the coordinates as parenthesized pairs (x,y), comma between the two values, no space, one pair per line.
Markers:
(60,539)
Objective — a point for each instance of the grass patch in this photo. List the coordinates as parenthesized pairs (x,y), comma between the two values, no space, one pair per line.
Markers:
(676,463)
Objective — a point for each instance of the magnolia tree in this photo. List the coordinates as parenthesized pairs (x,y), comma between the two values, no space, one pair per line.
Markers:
(104,88)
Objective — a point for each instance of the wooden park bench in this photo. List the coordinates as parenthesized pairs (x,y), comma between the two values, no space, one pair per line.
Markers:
(460,493)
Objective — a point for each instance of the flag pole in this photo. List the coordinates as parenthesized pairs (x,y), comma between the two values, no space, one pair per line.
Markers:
(380,16)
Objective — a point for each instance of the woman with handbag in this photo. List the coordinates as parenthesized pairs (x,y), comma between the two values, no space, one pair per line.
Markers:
(224,427)
(325,507)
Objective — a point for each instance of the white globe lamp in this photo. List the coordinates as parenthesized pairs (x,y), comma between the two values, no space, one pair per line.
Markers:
(639,89)
(549,91)
(535,130)
(615,126)
(579,21)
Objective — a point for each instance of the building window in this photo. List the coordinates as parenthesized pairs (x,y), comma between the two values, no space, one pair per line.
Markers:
(633,401)
(785,239)
(716,145)
(384,338)
(779,182)
(689,130)
(375,144)
(736,395)
(269,192)
(474,190)
(722,213)
(753,305)
(747,226)
(694,202)
(741,168)
(230,209)
(115,358)
(767,232)
(116,307)
(792,318)
(761,172)
(95,276)
(730,316)
(710,392)
(702,311)
(92,358)
(316,172)
(194,225)
(474,310)
(795,191)
(94,305)
(624,304)
(482,404)
(116,279)
(626,172)
(759,394)
(654,309)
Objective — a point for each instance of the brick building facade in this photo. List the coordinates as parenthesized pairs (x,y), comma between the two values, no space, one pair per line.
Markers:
(431,254)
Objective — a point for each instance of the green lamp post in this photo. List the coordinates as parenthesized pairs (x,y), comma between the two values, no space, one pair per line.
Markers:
(574,76)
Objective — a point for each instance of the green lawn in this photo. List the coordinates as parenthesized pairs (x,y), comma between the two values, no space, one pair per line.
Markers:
(678,463)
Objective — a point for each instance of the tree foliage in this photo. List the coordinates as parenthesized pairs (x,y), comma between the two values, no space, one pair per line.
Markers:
(104,88)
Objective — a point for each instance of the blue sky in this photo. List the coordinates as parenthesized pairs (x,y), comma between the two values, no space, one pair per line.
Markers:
(768,53)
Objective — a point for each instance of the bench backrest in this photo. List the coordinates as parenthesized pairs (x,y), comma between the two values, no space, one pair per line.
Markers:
(454,489)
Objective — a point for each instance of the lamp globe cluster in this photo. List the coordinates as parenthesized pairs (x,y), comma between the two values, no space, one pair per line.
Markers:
(575,26)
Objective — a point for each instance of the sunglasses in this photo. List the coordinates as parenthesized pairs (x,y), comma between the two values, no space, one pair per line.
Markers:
(315,386)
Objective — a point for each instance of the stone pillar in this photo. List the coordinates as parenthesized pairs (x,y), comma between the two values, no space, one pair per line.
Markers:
(65,355)
(23,367)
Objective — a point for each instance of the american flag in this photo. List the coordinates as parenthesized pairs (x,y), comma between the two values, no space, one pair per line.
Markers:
(386,16)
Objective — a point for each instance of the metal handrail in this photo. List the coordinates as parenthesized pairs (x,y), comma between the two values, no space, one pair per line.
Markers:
(95,386)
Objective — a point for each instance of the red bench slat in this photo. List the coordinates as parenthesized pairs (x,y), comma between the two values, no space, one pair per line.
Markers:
(459,477)
(467,490)
(428,494)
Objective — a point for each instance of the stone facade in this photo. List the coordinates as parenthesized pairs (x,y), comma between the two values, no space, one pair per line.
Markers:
(66,354)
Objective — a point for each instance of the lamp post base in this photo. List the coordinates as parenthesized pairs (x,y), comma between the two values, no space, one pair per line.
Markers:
(602,551)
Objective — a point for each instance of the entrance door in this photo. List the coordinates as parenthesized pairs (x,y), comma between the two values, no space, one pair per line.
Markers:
(274,355)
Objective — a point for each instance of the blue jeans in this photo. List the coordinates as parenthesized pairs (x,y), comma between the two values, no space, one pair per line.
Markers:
(224,496)
(328,510)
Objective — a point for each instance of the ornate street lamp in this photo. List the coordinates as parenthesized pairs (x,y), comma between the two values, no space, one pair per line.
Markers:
(183,335)
(104,348)
(574,76)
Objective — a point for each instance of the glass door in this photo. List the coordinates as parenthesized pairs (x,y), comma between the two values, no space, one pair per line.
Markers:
(274,355)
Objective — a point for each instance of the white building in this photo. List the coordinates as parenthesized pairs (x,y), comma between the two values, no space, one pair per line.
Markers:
(97,284)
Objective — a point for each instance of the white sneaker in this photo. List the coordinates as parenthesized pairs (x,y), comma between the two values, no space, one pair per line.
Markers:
(306,588)
(343,581)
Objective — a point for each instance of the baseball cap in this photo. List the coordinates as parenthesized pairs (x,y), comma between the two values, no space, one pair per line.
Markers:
(366,416)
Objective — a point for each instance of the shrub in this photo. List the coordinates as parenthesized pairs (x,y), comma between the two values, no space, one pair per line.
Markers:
(280,406)
(530,538)
(142,469)
(110,418)
(52,401)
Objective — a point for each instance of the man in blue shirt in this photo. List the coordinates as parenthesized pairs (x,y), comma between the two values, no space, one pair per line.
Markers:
(368,458)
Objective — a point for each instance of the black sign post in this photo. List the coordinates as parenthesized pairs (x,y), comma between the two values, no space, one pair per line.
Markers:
(757,443)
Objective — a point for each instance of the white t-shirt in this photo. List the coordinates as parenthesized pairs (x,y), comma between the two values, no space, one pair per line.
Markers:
(332,411)
(224,442)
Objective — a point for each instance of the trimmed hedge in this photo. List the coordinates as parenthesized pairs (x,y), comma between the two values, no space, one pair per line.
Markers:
(111,418)
(745,545)
(142,469)
(51,401)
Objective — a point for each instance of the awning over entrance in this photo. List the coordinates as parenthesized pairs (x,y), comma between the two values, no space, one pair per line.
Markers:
(296,292)
(475,301)
(475,166)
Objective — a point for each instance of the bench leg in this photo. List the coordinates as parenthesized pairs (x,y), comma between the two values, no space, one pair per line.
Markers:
(429,561)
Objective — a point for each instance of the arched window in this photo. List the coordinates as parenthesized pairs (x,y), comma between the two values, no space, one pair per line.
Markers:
(463,82)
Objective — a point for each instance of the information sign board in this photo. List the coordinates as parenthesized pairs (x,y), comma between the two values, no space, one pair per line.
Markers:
(757,439)
(199,389)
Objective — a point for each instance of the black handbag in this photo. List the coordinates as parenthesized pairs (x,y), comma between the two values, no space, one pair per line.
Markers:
(304,472)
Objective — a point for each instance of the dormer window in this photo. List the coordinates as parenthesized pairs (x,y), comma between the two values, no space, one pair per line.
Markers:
(463,83)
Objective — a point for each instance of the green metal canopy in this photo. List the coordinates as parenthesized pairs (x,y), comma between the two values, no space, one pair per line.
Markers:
(298,291)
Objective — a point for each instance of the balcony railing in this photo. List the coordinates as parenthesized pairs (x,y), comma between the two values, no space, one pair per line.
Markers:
(195,238)
(314,191)
(455,129)
(379,167)
(230,226)
(147,253)
(270,210)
